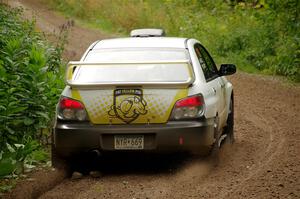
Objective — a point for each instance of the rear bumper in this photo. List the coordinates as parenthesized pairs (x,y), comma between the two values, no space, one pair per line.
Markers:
(73,138)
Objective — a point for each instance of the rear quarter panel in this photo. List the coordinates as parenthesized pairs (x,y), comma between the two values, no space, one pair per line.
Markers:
(200,85)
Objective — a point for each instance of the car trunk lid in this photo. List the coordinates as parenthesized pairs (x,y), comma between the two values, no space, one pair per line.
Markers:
(129,93)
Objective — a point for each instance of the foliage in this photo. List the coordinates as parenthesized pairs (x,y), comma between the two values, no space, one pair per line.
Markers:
(7,185)
(17,159)
(30,83)
(257,35)
(12,160)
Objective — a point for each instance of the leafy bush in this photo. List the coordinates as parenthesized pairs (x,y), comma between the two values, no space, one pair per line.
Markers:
(257,35)
(30,83)
(12,160)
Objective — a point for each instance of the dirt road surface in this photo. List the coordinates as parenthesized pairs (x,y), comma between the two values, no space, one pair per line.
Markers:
(264,162)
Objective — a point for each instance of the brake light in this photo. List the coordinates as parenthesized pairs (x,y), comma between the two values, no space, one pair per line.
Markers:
(69,103)
(188,108)
(189,102)
(70,109)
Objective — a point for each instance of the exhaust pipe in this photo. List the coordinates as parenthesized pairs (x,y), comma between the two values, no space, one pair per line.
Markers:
(95,153)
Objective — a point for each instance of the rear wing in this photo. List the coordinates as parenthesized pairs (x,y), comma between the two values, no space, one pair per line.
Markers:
(73,67)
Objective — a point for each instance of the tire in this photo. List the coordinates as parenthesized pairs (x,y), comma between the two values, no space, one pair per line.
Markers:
(57,161)
(214,153)
(228,129)
(209,150)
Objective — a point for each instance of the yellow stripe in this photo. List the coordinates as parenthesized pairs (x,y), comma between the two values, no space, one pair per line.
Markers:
(76,95)
(69,73)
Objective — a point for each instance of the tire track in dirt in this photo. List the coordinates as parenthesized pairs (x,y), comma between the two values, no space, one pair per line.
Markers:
(270,103)
(244,173)
(265,158)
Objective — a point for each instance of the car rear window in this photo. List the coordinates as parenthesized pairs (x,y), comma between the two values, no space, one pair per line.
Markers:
(108,73)
(134,65)
(134,55)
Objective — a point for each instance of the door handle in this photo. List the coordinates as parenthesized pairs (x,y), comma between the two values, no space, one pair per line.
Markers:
(214,90)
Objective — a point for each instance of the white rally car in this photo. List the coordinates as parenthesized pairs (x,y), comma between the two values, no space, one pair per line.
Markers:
(147,92)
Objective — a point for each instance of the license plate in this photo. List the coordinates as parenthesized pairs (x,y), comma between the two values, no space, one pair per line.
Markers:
(129,142)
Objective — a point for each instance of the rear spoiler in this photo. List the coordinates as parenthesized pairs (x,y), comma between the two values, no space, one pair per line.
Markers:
(71,66)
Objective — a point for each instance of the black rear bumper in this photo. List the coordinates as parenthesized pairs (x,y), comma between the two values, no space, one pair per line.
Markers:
(73,138)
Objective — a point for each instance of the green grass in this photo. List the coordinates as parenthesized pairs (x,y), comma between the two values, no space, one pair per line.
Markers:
(257,36)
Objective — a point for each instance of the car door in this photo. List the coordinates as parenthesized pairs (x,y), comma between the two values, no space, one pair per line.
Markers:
(214,83)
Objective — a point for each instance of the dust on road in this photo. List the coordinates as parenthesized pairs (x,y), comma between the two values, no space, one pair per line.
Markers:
(263,162)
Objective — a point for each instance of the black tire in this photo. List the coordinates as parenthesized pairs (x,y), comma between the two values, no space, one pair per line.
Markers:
(57,161)
(214,154)
(228,129)
(211,150)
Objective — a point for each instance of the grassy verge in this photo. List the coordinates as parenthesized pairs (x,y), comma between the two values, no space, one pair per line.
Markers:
(30,84)
(258,36)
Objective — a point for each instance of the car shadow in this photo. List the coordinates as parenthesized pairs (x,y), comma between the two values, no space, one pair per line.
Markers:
(134,163)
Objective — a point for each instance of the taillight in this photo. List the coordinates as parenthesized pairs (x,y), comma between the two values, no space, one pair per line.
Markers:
(188,108)
(70,109)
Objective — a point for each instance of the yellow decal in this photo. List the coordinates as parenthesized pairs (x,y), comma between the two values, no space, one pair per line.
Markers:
(69,72)
(134,106)
(76,95)
(128,105)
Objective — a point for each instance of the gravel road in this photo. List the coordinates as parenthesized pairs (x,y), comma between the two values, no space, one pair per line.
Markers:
(263,162)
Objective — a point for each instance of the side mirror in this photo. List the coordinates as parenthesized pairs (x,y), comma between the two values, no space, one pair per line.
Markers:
(227,69)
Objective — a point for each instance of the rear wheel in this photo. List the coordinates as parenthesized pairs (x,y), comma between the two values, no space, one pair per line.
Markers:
(228,129)
(57,161)
(214,155)
(211,149)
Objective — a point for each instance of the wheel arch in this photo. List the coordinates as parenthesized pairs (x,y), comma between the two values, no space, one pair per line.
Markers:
(229,95)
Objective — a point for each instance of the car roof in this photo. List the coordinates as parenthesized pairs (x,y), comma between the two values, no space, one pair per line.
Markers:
(142,42)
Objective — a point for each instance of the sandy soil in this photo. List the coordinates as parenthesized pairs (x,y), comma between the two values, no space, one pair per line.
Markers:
(263,162)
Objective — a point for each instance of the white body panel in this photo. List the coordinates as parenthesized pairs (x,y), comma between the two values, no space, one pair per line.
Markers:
(216,99)
(216,93)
